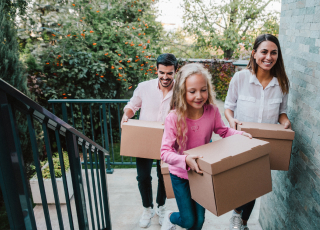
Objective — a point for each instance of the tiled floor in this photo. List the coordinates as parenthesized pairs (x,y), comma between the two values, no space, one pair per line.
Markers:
(126,206)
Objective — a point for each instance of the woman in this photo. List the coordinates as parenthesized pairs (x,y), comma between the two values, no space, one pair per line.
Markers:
(258,94)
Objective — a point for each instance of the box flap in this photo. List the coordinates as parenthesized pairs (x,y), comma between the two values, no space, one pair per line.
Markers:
(147,124)
(164,168)
(263,130)
(228,153)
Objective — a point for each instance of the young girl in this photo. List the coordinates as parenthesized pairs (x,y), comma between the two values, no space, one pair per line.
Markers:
(258,94)
(189,125)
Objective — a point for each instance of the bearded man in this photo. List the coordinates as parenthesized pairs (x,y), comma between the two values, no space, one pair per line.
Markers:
(153,98)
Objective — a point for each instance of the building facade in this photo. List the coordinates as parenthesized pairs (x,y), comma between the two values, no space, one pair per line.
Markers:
(295,200)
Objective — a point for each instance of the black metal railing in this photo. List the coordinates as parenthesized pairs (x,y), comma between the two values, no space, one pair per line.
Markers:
(89,193)
(106,115)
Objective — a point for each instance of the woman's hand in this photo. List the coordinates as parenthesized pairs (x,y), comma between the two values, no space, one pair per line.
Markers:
(287,124)
(192,163)
(247,135)
(229,114)
(234,122)
(284,120)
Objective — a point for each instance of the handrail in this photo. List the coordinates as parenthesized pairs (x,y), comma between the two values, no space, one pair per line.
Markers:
(41,113)
(15,184)
(106,114)
(102,101)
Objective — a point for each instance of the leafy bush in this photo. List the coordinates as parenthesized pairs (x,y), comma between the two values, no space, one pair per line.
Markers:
(95,50)
(222,73)
(56,163)
(57,166)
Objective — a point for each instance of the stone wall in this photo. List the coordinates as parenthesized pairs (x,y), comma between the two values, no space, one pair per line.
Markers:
(295,200)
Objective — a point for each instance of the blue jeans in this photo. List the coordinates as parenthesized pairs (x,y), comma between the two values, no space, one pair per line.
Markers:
(191,214)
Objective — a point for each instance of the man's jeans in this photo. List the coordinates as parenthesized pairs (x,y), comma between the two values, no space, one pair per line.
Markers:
(246,209)
(191,214)
(144,178)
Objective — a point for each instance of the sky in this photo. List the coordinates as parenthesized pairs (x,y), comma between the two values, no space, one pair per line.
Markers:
(171,12)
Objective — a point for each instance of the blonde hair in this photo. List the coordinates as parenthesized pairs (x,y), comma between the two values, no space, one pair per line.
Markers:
(178,100)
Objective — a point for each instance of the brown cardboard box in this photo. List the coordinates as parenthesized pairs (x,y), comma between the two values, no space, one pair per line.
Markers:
(236,170)
(167,180)
(279,138)
(141,139)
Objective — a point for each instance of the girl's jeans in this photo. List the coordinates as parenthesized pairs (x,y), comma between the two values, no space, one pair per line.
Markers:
(191,214)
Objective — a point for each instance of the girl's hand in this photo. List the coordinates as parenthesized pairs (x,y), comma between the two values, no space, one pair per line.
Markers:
(233,123)
(192,163)
(247,135)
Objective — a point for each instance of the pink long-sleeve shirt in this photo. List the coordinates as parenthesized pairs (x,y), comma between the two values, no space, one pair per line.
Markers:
(199,133)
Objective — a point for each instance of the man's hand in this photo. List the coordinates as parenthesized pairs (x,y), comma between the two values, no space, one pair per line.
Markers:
(124,119)
(247,135)
(192,163)
(128,113)
(233,123)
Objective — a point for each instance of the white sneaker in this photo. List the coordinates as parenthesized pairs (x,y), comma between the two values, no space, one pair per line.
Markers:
(244,227)
(160,212)
(235,221)
(167,225)
(145,220)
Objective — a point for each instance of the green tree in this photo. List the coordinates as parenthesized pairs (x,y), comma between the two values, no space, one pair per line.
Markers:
(11,69)
(13,72)
(90,50)
(94,50)
(183,45)
(226,24)
(10,7)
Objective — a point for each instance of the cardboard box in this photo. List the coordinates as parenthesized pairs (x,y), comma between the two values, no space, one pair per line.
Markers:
(236,170)
(141,139)
(279,138)
(167,180)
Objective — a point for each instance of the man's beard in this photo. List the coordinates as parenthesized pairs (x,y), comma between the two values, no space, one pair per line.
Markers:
(165,86)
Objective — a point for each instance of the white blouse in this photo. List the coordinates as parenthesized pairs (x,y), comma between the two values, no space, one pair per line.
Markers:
(251,103)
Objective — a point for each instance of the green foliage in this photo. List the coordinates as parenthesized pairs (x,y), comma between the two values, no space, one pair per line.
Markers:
(89,50)
(182,45)
(13,72)
(10,7)
(56,164)
(11,69)
(226,24)
(94,50)
(4,222)
(222,73)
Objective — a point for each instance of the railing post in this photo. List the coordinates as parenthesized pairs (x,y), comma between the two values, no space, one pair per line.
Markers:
(109,169)
(77,183)
(8,154)
(64,112)
(104,191)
